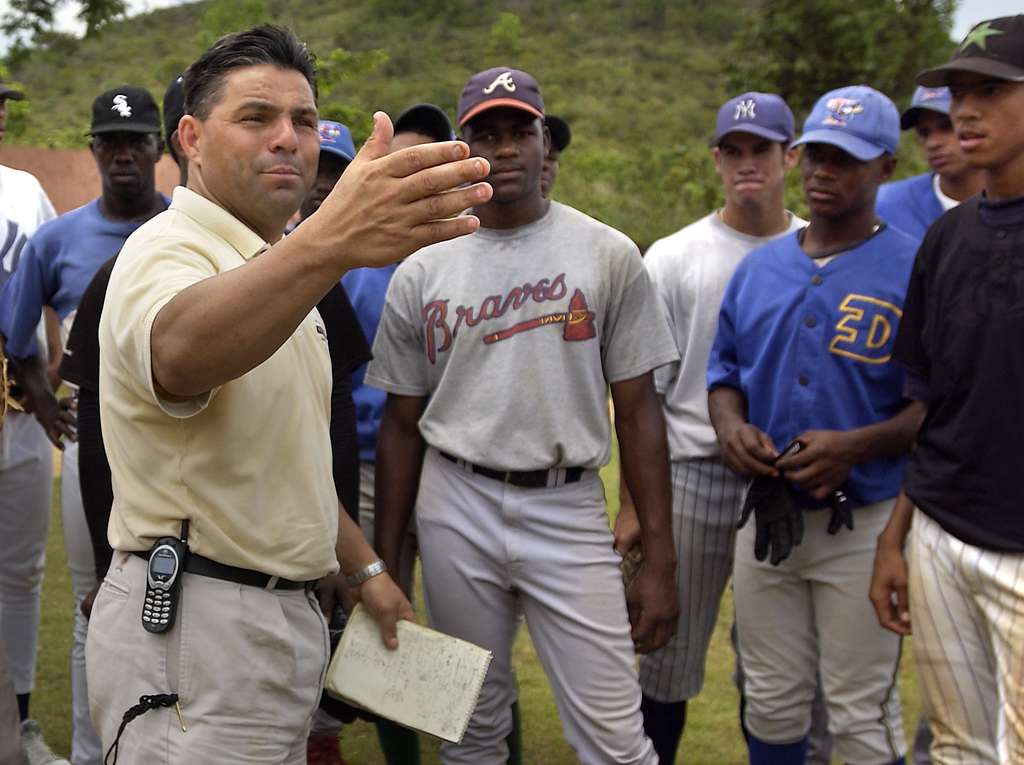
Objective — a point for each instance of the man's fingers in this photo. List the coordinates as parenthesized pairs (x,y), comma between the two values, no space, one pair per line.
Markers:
(448,204)
(452,175)
(902,604)
(414,159)
(443,230)
(389,631)
(379,142)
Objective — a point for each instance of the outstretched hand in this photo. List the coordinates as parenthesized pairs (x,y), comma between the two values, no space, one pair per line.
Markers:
(387,206)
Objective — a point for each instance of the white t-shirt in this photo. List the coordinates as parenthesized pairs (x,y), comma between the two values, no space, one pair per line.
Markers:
(691,269)
(948,203)
(23,200)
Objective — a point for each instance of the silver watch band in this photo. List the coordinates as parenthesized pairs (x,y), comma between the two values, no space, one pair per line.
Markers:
(360,576)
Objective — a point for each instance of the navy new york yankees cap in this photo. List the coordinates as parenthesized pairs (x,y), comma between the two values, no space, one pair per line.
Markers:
(500,86)
(762,114)
(125,109)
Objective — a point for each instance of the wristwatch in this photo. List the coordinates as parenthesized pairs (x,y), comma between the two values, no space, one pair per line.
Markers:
(360,576)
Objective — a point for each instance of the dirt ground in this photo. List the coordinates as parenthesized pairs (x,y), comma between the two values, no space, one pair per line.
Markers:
(70,176)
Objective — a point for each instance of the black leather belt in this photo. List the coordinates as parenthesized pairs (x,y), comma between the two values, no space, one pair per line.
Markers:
(527,479)
(197,564)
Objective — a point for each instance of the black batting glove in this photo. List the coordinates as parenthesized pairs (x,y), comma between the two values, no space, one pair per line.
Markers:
(779,522)
(842,513)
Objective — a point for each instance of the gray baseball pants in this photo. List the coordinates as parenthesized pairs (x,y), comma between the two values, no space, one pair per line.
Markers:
(486,545)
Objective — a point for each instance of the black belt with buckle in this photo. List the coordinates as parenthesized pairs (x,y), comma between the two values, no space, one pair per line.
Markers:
(526,479)
(197,564)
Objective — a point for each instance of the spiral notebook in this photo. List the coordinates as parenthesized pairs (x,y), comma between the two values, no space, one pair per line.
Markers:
(430,683)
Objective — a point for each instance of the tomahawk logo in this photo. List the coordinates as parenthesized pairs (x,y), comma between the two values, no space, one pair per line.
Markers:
(504,80)
(121,105)
(745,110)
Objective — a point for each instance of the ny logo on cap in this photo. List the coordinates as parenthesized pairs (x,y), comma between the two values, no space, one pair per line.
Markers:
(842,109)
(504,80)
(121,105)
(745,110)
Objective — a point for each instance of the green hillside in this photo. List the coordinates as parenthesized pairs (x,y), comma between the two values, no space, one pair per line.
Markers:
(639,81)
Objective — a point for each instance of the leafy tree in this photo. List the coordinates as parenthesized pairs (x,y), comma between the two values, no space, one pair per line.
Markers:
(28,19)
(801,50)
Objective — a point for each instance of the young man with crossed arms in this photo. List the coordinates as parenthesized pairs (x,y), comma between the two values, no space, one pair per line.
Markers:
(497,353)
(960,342)
(802,354)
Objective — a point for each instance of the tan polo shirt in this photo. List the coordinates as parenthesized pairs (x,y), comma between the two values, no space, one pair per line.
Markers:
(248,464)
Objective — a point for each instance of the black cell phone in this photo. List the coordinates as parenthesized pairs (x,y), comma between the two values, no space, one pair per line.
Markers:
(163,584)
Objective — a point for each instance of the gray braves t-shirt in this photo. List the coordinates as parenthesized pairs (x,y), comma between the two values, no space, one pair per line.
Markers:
(691,269)
(515,334)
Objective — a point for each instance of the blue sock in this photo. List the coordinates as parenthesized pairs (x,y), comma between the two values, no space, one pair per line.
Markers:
(763,753)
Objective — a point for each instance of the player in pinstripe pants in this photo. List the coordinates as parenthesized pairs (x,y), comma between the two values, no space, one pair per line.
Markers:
(959,341)
(691,269)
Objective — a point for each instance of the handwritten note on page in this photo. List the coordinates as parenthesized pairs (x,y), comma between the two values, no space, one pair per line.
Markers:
(431,683)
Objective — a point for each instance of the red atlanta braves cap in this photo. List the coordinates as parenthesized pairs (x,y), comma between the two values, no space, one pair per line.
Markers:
(500,86)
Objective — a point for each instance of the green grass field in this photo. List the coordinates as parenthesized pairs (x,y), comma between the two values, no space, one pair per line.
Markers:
(712,734)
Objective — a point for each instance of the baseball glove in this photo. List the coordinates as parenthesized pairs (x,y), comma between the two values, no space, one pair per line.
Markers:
(779,522)
(7,400)
(630,565)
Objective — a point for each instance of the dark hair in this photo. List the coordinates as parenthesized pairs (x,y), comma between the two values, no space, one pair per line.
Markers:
(264,44)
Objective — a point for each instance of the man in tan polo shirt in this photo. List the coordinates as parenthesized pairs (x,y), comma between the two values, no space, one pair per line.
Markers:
(215,397)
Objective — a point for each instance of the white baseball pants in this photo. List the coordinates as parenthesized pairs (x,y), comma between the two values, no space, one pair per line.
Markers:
(85,743)
(967,610)
(485,545)
(26,488)
(811,616)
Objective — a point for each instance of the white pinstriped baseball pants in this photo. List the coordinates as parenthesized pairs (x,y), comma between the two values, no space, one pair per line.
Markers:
(706,501)
(485,546)
(967,611)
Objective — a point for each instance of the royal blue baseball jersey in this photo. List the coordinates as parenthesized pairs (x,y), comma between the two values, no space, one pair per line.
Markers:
(909,205)
(810,347)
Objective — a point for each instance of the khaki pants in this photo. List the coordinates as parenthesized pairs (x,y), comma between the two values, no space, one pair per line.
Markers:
(248,665)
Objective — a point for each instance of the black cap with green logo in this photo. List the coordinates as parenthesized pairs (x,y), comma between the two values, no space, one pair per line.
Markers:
(993,48)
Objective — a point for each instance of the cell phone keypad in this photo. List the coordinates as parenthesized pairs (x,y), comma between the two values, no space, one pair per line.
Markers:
(157,608)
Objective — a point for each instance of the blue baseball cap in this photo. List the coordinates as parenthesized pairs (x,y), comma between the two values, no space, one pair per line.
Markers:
(858,119)
(337,139)
(763,114)
(925,99)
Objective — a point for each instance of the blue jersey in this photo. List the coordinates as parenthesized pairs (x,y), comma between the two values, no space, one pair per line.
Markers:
(367,288)
(909,205)
(810,347)
(55,267)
